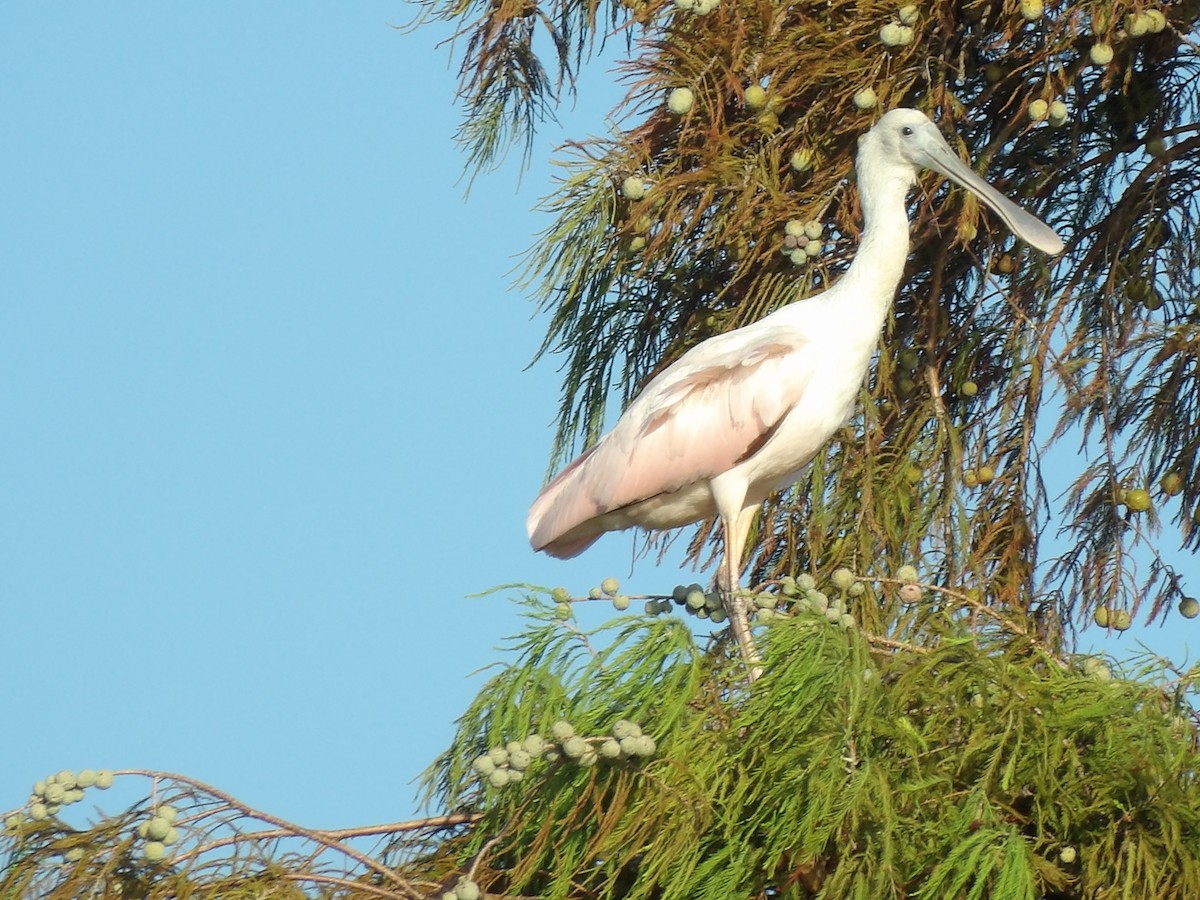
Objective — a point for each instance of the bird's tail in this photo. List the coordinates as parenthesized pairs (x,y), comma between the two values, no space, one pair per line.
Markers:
(561,521)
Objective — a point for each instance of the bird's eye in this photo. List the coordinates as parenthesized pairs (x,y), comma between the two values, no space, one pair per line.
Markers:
(907,131)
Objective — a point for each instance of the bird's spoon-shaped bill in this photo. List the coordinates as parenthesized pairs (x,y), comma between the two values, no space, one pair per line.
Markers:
(933,152)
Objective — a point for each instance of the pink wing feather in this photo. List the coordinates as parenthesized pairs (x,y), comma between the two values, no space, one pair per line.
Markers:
(691,423)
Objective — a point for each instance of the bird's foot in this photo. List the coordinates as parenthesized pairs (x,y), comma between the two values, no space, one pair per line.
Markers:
(739,626)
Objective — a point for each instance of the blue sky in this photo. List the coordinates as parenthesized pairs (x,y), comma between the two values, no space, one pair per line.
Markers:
(267,417)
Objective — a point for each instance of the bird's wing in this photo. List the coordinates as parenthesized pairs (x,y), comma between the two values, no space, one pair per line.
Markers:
(701,424)
(712,409)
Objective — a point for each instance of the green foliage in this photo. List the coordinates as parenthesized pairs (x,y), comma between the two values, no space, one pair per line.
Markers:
(853,768)
(504,84)
(647,672)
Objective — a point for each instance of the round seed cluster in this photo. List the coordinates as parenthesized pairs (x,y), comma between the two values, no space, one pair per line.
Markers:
(63,788)
(908,362)
(801,160)
(680,101)
(1135,500)
(1141,290)
(1053,111)
(910,592)
(158,832)
(1097,668)
(464,890)
(800,596)
(899,32)
(756,97)
(633,187)
(1101,53)
(1032,10)
(1057,113)
(802,240)
(763,107)
(981,475)
(657,607)
(507,764)
(627,741)
(866,99)
(610,588)
(1137,24)
(504,765)
(694,601)
(697,7)
(1152,21)
(1171,484)
(1116,619)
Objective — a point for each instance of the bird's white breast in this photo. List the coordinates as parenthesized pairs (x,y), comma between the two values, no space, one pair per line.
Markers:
(837,369)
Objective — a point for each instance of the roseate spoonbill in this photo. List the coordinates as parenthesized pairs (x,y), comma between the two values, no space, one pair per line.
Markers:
(741,414)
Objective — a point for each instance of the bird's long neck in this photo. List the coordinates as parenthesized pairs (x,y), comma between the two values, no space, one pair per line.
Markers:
(865,293)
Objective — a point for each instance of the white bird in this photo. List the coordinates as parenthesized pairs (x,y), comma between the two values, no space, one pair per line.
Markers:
(741,414)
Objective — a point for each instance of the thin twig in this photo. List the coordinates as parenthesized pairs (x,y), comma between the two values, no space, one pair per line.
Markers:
(339,834)
(290,827)
(891,644)
(347,883)
(479,857)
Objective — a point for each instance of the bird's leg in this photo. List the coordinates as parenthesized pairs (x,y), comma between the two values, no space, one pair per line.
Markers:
(736,530)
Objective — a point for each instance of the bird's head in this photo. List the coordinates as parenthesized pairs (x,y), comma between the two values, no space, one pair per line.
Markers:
(905,141)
